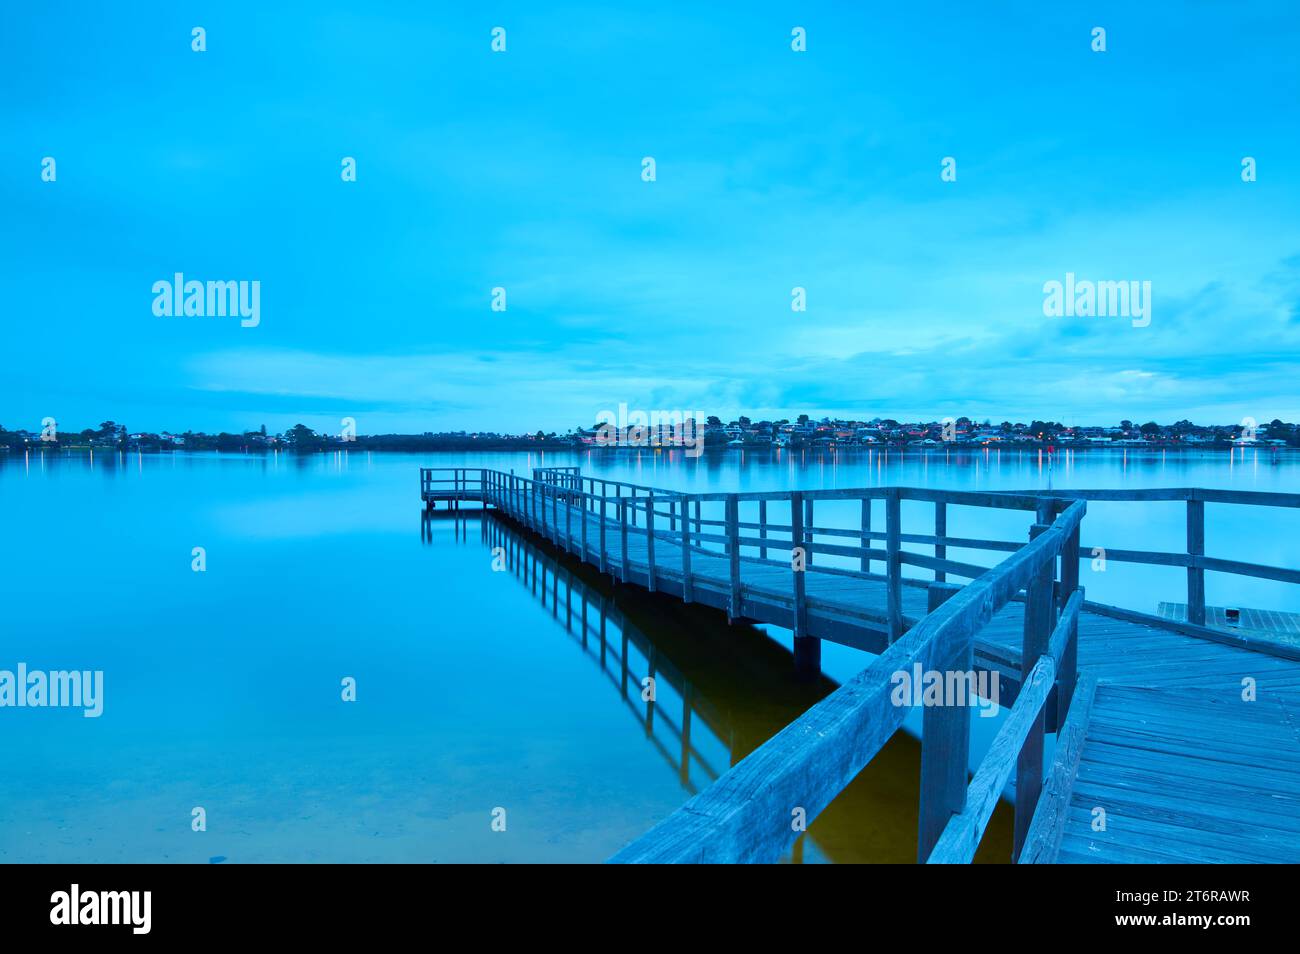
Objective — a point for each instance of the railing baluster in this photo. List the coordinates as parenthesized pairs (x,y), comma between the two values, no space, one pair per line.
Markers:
(945,735)
(604,565)
(650,539)
(762,528)
(866,533)
(1196,575)
(1068,671)
(940,530)
(622,518)
(807,649)
(582,499)
(808,530)
(688,584)
(1037,634)
(733,552)
(893,565)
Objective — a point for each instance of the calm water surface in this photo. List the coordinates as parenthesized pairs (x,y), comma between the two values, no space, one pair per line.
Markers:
(475,689)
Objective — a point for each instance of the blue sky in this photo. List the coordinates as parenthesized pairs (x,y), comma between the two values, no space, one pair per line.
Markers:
(523,170)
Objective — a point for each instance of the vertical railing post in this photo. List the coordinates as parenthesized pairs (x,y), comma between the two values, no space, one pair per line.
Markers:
(604,565)
(568,523)
(622,519)
(945,733)
(940,530)
(866,533)
(650,539)
(688,585)
(807,650)
(1067,673)
(1195,574)
(893,564)
(582,499)
(555,512)
(1037,634)
(762,528)
(697,516)
(733,553)
(808,530)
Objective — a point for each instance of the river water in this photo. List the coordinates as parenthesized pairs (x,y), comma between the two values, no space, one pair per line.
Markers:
(480,696)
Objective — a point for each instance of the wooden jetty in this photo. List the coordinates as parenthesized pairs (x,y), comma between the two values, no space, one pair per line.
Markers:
(1175,740)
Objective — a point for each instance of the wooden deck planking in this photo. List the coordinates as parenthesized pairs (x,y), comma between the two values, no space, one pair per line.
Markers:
(1186,775)
(1263,622)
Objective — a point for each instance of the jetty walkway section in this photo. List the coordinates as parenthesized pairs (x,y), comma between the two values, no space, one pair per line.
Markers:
(1129,743)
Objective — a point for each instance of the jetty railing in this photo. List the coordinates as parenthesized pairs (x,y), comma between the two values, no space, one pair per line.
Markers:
(1193,557)
(712,524)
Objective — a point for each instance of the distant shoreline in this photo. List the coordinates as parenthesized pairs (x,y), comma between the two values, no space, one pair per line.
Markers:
(708,451)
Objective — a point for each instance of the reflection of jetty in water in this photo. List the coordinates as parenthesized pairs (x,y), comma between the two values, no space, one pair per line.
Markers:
(721,691)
